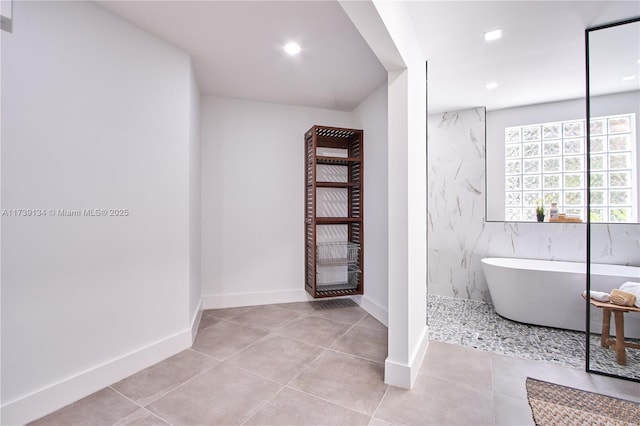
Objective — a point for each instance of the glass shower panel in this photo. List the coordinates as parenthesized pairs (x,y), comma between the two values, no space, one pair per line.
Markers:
(613,244)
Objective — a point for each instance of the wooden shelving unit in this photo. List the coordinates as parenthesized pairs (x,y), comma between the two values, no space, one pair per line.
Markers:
(334,243)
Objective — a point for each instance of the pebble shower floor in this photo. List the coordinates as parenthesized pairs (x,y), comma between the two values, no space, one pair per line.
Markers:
(476,324)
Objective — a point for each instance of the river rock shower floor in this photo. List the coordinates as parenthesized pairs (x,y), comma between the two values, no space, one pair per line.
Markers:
(476,324)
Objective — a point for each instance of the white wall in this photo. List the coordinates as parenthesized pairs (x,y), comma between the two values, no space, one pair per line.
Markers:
(371,116)
(195,285)
(459,236)
(95,115)
(574,109)
(253,199)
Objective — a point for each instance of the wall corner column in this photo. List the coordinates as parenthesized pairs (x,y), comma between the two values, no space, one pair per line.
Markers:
(387,28)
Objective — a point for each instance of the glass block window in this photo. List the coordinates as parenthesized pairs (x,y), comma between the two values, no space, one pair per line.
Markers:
(547,163)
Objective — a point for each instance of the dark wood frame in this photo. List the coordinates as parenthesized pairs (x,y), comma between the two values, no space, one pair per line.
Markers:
(351,140)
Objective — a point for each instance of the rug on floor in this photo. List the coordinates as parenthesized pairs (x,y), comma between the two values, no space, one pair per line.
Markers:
(553,404)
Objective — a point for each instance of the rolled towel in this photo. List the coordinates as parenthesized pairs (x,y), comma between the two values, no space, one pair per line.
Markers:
(622,298)
(600,296)
(633,288)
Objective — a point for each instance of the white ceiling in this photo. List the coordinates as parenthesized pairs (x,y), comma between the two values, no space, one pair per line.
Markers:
(236,48)
(540,58)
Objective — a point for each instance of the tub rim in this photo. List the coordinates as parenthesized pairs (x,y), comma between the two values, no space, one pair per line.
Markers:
(569,267)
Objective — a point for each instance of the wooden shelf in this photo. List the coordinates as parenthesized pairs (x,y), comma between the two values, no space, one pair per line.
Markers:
(334,293)
(336,184)
(344,161)
(566,220)
(324,264)
(338,220)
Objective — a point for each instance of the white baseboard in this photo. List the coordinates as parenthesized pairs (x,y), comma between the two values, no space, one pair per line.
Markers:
(404,375)
(218,301)
(375,310)
(57,395)
(195,321)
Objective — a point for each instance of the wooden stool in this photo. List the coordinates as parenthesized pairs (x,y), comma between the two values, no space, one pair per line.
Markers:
(618,314)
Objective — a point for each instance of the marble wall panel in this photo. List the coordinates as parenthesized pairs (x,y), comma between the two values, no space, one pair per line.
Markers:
(459,237)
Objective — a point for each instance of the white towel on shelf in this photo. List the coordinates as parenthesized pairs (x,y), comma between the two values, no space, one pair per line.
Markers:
(633,288)
(600,296)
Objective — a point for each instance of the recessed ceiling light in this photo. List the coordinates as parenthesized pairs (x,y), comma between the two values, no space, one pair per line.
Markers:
(292,48)
(628,78)
(638,61)
(491,86)
(492,35)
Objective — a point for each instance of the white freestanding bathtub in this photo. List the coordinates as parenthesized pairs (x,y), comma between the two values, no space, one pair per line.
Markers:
(548,293)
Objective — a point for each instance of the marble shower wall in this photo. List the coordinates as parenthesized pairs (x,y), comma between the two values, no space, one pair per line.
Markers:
(459,237)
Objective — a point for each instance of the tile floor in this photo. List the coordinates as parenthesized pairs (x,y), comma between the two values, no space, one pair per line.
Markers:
(476,324)
(310,364)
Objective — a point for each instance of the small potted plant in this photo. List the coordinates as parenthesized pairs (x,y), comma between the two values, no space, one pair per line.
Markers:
(540,211)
